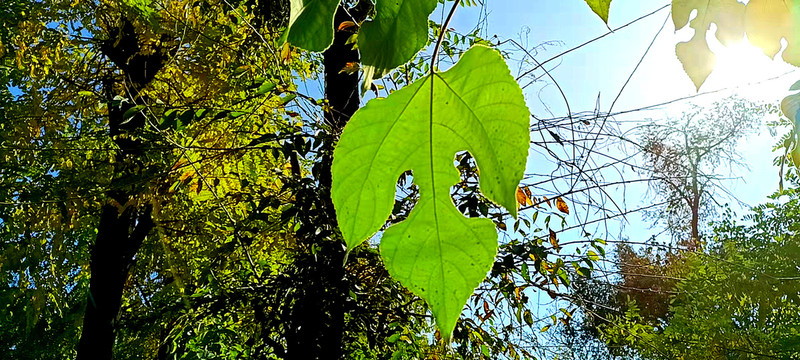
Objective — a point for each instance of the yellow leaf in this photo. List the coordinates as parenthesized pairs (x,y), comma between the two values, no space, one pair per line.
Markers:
(696,57)
(547,201)
(186,175)
(522,199)
(768,21)
(562,206)
(600,7)
(286,53)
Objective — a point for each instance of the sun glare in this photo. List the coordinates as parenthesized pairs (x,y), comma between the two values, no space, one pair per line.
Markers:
(743,65)
(739,64)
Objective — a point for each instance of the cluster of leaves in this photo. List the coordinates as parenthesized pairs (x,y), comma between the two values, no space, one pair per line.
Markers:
(737,300)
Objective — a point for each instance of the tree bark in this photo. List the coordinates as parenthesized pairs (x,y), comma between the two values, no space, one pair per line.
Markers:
(123,226)
(111,261)
(694,242)
(317,320)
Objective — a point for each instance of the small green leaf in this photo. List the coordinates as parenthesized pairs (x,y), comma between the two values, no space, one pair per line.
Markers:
(525,272)
(265,88)
(528,318)
(436,252)
(600,7)
(185,119)
(593,255)
(393,338)
(795,86)
(311,24)
(131,112)
(289,97)
(485,350)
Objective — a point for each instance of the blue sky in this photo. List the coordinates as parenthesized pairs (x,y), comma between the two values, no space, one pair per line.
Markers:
(601,68)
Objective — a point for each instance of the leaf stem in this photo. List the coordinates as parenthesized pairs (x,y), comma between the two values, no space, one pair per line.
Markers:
(441,35)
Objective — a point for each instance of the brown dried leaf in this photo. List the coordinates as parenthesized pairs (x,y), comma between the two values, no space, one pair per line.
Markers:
(554,240)
(561,205)
(522,198)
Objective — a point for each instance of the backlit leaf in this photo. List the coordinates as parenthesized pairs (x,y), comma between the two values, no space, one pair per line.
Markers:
(600,7)
(436,252)
(554,240)
(695,55)
(350,67)
(522,198)
(398,32)
(769,21)
(592,255)
(766,23)
(346,25)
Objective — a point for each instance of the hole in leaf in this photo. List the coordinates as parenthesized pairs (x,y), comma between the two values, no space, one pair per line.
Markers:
(405,197)
(466,194)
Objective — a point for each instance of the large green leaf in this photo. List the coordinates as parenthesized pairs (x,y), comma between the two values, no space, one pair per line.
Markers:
(600,7)
(395,36)
(311,24)
(436,252)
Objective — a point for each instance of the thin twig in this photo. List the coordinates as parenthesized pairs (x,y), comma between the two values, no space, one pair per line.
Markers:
(441,35)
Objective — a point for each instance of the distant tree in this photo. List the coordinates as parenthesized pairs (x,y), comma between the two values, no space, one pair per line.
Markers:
(682,157)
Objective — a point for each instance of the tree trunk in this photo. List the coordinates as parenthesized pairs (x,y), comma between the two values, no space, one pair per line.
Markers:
(111,262)
(694,242)
(123,226)
(317,318)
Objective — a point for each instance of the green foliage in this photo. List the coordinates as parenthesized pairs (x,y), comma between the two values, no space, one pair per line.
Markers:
(436,252)
(738,301)
(311,24)
(398,31)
